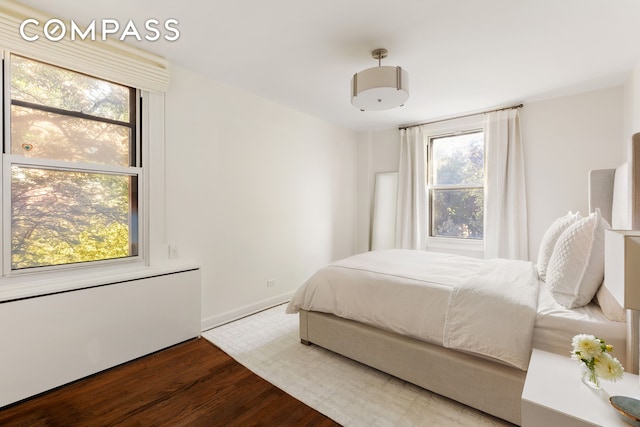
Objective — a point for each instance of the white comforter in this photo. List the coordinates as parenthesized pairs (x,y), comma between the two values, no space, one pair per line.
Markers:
(487,307)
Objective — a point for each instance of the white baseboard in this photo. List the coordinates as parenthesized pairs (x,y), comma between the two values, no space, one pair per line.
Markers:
(220,319)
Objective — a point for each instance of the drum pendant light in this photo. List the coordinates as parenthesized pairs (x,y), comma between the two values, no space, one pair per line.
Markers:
(381,87)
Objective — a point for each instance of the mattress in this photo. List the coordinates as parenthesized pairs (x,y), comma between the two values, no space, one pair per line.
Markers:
(555,326)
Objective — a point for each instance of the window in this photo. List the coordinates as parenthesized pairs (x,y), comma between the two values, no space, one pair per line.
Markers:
(72,166)
(455,183)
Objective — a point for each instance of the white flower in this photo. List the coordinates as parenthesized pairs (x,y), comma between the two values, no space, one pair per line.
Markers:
(587,346)
(593,353)
(608,368)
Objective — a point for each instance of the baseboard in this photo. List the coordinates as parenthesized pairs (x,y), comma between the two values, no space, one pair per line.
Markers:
(220,319)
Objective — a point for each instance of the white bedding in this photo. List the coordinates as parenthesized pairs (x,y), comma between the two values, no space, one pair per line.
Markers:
(493,312)
(459,302)
(556,325)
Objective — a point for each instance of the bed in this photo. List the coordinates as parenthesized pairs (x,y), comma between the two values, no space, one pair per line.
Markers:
(477,366)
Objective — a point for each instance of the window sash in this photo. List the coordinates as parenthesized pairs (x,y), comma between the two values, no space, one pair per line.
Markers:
(15,160)
(133,109)
(18,160)
(454,186)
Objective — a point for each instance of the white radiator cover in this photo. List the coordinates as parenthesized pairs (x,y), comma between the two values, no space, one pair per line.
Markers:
(48,341)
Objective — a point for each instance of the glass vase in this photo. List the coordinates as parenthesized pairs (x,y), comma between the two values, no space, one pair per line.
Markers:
(589,377)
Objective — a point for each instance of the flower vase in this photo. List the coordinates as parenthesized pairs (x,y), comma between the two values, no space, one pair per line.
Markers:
(589,377)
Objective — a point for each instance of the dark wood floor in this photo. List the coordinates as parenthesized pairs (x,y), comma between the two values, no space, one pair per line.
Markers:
(191,384)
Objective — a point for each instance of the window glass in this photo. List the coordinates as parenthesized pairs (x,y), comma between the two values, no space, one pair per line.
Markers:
(45,135)
(60,217)
(49,86)
(458,213)
(458,159)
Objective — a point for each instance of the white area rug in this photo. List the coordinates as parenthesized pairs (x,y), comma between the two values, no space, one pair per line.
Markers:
(346,391)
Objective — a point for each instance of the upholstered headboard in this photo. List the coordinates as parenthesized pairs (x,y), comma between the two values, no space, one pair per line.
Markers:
(614,191)
(601,184)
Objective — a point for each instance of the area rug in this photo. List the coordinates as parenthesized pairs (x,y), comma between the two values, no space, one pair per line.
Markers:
(346,391)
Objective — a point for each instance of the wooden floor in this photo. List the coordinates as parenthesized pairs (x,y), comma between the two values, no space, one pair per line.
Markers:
(191,384)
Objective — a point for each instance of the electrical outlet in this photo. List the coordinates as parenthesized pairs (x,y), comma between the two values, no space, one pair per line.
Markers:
(173,251)
(271,283)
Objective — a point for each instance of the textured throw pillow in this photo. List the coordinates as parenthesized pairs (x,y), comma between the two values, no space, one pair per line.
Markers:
(576,267)
(550,238)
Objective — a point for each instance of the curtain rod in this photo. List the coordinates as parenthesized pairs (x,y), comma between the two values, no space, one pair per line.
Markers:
(461,117)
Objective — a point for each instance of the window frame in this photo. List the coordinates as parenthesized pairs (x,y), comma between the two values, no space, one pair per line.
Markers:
(137,203)
(432,188)
(468,247)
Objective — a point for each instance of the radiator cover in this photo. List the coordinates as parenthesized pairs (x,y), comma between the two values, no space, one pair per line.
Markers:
(51,340)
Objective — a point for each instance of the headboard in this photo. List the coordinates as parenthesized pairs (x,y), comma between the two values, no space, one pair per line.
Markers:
(601,184)
(615,193)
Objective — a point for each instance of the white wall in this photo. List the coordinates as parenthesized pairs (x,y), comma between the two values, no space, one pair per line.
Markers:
(564,138)
(254,191)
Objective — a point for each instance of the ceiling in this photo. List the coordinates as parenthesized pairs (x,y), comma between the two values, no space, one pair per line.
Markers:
(462,55)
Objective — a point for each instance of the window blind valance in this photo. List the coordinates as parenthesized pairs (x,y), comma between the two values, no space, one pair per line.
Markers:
(110,60)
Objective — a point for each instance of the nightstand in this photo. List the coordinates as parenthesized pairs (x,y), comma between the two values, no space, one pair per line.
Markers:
(554,395)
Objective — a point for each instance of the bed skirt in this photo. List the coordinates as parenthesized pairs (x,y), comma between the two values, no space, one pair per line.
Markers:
(488,386)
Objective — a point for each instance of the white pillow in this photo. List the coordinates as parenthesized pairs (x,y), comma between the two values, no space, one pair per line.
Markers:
(550,238)
(576,267)
(610,307)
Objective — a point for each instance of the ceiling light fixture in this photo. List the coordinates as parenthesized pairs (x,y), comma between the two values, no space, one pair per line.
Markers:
(380,88)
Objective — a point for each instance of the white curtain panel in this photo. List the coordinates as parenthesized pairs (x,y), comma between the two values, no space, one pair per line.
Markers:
(412,206)
(505,204)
